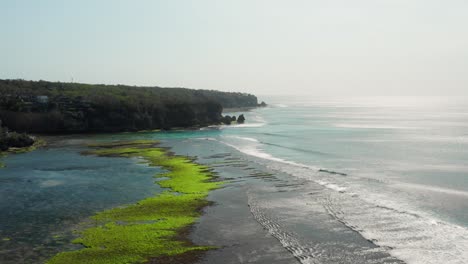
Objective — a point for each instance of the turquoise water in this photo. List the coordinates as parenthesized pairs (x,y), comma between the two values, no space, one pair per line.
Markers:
(418,145)
(394,169)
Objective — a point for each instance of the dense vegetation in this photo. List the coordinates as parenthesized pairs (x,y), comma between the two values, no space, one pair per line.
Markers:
(54,107)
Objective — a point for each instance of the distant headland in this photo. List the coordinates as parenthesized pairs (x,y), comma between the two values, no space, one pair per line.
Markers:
(56,107)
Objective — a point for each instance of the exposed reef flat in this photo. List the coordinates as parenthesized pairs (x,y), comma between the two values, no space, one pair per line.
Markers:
(263,215)
(155,227)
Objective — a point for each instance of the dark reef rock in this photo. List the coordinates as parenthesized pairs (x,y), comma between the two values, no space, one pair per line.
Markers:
(227,120)
(241,119)
(262,104)
(53,107)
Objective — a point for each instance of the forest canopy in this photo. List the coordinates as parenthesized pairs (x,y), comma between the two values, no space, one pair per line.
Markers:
(42,106)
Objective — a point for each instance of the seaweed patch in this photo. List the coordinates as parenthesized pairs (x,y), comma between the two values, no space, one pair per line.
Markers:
(153,226)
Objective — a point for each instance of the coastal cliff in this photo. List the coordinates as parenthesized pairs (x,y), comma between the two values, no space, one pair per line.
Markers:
(54,107)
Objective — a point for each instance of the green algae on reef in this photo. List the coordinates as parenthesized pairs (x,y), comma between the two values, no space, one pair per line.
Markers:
(152,227)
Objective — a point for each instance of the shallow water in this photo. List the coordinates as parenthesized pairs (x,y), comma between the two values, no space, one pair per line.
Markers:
(46,193)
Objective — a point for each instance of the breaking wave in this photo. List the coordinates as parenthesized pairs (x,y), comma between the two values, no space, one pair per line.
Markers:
(380,211)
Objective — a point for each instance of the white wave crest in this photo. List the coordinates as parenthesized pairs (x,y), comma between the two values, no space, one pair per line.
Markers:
(255,151)
(332,186)
(383,214)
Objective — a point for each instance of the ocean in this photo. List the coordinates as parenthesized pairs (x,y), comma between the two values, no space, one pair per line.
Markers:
(394,169)
(319,180)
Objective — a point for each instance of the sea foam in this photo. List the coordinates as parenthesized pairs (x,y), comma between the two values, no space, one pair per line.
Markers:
(380,213)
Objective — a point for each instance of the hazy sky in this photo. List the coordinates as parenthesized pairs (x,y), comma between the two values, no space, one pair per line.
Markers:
(375,47)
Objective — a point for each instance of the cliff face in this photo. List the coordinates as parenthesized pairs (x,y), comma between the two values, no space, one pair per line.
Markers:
(96,119)
(45,107)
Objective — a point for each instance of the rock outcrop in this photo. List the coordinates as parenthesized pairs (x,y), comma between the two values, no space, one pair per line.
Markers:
(241,119)
(12,139)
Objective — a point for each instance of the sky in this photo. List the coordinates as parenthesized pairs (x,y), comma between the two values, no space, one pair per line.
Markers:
(317,47)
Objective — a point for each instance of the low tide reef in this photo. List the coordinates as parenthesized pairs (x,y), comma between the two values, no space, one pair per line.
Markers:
(154,227)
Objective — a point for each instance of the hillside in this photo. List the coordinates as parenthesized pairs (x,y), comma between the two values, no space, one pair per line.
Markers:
(54,107)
